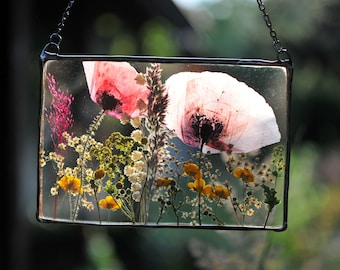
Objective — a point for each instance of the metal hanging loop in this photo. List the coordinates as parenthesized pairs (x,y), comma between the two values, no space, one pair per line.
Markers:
(55,39)
(281,52)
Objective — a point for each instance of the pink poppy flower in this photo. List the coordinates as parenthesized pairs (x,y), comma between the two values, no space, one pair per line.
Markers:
(115,87)
(216,112)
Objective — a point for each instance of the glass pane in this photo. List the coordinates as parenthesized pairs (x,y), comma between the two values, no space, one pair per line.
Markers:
(130,142)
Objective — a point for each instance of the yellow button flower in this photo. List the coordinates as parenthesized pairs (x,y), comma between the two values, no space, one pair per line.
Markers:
(197,185)
(70,184)
(245,175)
(99,174)
(163,182)
(191,169)
(216,191)
(110,203)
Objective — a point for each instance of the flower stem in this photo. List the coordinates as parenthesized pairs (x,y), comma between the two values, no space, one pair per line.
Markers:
(93,127)
(199,208)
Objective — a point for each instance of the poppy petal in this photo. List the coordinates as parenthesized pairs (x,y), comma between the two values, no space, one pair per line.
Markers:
(115,87)
(230,115)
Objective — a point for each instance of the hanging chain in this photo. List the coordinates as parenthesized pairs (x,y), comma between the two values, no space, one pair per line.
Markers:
(281,52)
(55,38)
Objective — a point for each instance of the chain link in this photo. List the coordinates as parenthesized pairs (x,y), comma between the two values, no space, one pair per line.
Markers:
(282,53)
(55,38)
(65,16)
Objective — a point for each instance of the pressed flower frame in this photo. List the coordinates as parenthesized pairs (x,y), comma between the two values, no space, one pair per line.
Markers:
(164,142)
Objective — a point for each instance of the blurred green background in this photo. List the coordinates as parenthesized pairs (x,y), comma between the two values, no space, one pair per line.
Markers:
(309,29)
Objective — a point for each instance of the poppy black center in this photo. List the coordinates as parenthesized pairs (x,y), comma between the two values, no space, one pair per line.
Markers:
(109,102)
(206,129)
